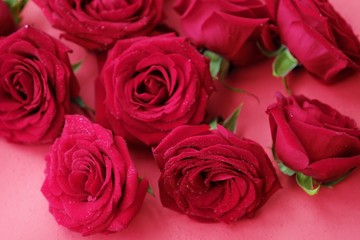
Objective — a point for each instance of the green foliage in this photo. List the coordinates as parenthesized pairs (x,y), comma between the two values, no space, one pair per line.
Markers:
(284,63)
(219,66)
(230,122)
(16,6)
(307,184)
(76,66)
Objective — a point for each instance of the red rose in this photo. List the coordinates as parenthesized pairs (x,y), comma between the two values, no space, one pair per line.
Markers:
(212,175)
(7,22)
(227,27)
(317,36)
(36,84)
(313,138)
(150,85)
(98,24)
(91,183)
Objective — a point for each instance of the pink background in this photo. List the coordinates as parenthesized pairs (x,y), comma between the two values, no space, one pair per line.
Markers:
(289,214)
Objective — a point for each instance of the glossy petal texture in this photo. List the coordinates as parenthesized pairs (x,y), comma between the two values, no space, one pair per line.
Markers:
(313,138)
(91,183)
(150,85)
(321,40)
(212,175)
(36,84)
(230,28)
(98,24)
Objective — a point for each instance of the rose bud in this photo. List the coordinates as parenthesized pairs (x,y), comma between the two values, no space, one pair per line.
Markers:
(36,86)
(150,85)
(7,22)
(97,25)
(91,183)
(233,29)
(213,175)
(318,37)
(313,138)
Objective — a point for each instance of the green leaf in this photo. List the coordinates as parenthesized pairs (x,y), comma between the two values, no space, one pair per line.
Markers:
(231,122)
(76,66)
(307,184)
(284,63)
(219,66)
(16,6)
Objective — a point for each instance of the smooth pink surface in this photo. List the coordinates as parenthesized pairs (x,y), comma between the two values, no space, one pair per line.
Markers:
(289,214)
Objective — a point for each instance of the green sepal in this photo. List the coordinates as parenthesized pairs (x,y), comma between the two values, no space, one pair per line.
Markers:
(213,124)
(16,6)
(149,190)
(284,63)
(219,66)
(225,66)
(231,122)
(307,183)
(268,53)
(76,66)
(78,101)
(333,183)
(282,167)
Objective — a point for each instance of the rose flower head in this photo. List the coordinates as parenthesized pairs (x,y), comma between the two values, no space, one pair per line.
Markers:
(150,85)
(91,183)
(36,86)
(313,139)
(213,175)
(98,24)
(233,29)
(317,37)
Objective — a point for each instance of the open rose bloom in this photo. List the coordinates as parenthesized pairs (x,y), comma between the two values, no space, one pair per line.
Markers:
(91,183)
(97,24)
(150,85)
(36,86)
(313,138)
(213,175)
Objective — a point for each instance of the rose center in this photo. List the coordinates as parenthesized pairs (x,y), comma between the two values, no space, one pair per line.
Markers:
(87,176)
(18,85)
(151,90)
